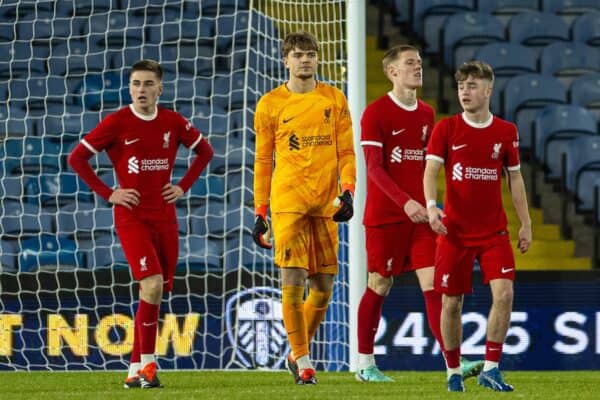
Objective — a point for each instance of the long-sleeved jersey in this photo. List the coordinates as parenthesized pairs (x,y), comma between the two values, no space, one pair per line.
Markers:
(304,150)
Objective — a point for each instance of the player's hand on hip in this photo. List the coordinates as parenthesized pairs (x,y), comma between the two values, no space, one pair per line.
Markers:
(524,238)
(171,193)
(435,220)
(261,234)
(127,198)
(345,206)
(416,212)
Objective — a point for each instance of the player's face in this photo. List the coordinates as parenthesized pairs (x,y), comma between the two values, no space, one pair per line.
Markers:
(474,94)
(301,63)
(407,70)
(144,88)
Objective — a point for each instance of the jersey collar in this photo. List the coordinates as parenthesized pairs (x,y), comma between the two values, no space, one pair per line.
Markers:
(478,125)
(142,116)
(401,104)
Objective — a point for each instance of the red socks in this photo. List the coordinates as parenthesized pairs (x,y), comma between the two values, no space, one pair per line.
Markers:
(493,351)
(369,314)
(146,320)
(433,307)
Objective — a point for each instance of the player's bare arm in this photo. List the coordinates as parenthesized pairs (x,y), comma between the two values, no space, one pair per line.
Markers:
(127,198)
(435,215)
(519,199)
(416,212)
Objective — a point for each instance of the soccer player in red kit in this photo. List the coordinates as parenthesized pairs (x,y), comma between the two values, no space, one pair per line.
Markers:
(395,132)
(141,141)
(475,147)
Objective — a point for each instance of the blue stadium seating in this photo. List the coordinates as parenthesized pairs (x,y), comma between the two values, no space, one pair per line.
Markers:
(583,163)
(103,250)
(30,154)
(537,29)
(8,256)
(586,29)
(245,254)
(524,95)
(463,33)
(84,219)
(504,9)
(49,252)
(207,187)
(19,189)
(569,9)
(555,126)
(428,16)
(171,27)
(216,7)
(508,60)
(585,91)
(105,91)
(198,254)
(20,220)
(567,60)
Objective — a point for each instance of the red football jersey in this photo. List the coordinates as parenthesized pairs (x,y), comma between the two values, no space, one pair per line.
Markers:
(474,156)
(401,132)
(143,151)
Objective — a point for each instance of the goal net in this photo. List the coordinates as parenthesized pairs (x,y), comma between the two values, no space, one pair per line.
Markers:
(66,294)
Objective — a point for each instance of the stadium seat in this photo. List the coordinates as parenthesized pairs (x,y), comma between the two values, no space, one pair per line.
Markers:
(245,253)
(567,60)
(90,7)
(198,254)
(84,220)
(216,7)
(105,91)
(8,256)
(207,187)
(62,189)
(555,125)
(463,33)
(48,252)
(228,153)
(507,60)
(585,91)
(170,27)
(76,58)
(586,29)
(583,164)
(570,9)
(103,250)
(19,189)
(505,9)
(428,16)
(400,10)
(537,29)
(20,220)
(239,187)
(31,155)
(524,95)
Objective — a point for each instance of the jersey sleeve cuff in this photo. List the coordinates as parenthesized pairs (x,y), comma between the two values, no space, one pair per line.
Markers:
(514,167)
(434,157)
(89,146)
(371,143)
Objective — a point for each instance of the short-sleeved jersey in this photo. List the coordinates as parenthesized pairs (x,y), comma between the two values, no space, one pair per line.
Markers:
(402,133)
(474,156)
(142,150)
(310,136)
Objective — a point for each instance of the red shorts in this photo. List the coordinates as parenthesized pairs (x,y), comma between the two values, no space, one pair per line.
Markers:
(151,247)
(396,248)
(454,264)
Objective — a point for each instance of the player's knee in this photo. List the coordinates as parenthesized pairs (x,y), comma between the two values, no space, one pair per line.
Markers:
(452,305)
(380,284)
(318,298)
(503,297)
(152,286)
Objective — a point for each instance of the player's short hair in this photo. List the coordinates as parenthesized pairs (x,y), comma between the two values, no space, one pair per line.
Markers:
(148,65)
(394,53)
(476,69)
(302,40)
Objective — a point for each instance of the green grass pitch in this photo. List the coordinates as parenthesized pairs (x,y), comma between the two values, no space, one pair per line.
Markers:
(249,385)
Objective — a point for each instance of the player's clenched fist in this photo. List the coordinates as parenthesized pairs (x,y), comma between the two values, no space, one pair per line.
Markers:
(262,233)
(127,198)
(345,210)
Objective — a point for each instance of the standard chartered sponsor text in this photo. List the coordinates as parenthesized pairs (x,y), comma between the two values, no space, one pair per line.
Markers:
(413,154)
(318,140)
(481,174)
(155,164)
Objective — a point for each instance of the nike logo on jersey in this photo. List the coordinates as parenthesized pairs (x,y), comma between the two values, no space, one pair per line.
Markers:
(148,323)
(458,147)
(399,131)
(286,120)
(505,270)
(128,142)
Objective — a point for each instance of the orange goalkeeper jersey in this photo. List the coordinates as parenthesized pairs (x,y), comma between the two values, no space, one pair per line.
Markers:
(304,150)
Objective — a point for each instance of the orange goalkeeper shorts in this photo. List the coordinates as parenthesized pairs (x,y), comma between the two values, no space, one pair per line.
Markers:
(303,241)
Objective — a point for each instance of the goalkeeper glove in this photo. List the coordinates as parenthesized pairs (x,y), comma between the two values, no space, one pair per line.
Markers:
(345,209)
(261,234)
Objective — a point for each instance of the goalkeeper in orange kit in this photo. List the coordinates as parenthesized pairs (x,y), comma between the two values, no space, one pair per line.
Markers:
(305,171)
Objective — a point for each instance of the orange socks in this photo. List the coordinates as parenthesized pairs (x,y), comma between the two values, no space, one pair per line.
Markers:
(293,319)
(315,308)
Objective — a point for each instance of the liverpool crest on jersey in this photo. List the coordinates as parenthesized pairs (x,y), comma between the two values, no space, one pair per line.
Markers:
(496,151)
(166,137)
